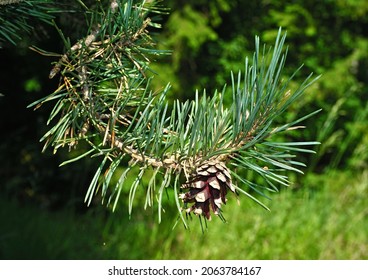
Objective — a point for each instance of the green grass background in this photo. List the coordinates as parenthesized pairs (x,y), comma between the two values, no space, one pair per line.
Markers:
(326,217)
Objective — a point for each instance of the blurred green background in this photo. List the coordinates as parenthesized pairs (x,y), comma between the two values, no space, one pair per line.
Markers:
(323,215)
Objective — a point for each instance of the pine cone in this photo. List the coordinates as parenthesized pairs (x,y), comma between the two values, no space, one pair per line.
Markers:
(207,189)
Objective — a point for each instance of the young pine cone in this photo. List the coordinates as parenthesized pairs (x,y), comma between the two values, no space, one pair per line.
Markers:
(207,189)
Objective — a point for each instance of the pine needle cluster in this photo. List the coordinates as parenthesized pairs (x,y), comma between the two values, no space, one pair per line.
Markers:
(198,147)
(17,16)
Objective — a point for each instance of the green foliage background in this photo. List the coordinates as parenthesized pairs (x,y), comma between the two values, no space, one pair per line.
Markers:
(323,216)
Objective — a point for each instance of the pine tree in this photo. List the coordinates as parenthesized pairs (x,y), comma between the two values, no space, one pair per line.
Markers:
(199,147)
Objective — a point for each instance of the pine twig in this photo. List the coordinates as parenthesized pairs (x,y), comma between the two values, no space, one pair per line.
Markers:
(7,2)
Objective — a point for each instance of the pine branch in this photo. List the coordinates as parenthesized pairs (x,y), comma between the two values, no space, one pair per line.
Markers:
(104,99)
(7,2)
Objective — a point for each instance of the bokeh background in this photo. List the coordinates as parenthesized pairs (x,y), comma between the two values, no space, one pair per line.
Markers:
(323,215)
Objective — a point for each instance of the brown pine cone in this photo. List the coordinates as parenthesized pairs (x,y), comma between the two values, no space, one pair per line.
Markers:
(208,188)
